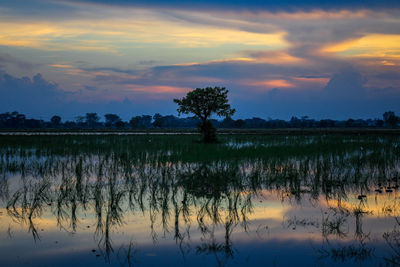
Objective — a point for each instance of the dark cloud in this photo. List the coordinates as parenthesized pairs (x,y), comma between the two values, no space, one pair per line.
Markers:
(148,62)
(347,83)
(6,59)
(91,88)
(38,8)
(111,69)
(34,95)
(345,94)
(40,98)
(256,5)
(389,75)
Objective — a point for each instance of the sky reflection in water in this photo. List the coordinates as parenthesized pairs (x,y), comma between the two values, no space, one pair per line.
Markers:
(165,200)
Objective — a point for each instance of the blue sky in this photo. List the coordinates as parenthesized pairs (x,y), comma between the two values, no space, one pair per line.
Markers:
(324,59)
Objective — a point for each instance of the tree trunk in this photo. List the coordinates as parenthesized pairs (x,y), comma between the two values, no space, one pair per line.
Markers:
(208,132)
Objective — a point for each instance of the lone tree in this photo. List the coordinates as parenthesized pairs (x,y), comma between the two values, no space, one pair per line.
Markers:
(203,102)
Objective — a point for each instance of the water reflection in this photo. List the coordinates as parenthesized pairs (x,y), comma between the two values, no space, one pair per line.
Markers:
(209,202)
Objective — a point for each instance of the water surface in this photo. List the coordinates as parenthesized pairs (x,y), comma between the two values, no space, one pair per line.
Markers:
(152,200)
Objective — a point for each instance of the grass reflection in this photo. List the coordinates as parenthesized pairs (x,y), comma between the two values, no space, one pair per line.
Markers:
(179,185)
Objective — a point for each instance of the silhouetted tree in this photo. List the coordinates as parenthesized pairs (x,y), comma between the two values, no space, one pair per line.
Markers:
(239,123)
(13,120)
(55,120)
(111,119)
(390,118)
(92,119)
(203,102)
(33,123)
(16,120)
(143,121)
(379,123)
(350,123)
(256,123)
(120,124)
(157,120)
(295,122)
(305,122)
(80,119)
(227,123)
(326,123)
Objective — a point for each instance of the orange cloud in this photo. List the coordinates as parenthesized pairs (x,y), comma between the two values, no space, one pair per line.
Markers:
(273,84)
(61,66)
(143,26)
(163,89)
(275,57)
(311,80)
(383,46)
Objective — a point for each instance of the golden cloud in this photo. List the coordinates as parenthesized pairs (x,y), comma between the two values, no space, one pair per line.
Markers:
(110,34)
(280,83)
(383,46)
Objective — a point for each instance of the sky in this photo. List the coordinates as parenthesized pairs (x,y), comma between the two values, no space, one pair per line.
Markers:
(322,59)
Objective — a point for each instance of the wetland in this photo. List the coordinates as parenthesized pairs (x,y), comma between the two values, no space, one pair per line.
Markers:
(249,200)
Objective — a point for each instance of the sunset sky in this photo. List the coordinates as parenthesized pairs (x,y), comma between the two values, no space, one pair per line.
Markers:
(324,59)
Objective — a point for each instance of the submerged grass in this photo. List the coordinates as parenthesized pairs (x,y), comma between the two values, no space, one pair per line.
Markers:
(173,179)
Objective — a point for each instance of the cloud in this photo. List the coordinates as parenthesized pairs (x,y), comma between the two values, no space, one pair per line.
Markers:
(36,95)
(148,62)
(384,46)
(41,98)
(389,75)
(309,56)
(347,83)
(11,60)
(273,84)
(110,69)
(255,5)
(91,88)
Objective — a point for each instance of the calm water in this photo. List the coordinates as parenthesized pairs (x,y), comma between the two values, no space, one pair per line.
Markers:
(167,200)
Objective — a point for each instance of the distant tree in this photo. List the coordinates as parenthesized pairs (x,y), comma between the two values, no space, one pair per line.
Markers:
(55,120)
(111,119)
(379,123)
(33,123)
(120,124)
(70,124)
(295,122)
(227,123)
(255,123)
(15,120)
(157,120)
(143,121)
(170,121)
(203,102)
(350,123)
(326,123)
(390,118)
(92,119)
(80,119)
(305,122)
(239,123)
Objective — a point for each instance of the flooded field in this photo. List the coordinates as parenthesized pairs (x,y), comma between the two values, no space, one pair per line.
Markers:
(158,200)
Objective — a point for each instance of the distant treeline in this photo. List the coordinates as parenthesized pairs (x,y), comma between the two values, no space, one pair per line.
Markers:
(16,120)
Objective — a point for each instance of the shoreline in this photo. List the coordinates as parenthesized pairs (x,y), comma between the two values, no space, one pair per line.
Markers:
(278,131)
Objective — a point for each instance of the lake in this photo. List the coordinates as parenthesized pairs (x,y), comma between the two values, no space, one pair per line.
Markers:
(168,200)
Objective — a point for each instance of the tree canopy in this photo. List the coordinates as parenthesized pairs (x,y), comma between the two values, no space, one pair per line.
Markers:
(390,118)
(203,102)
